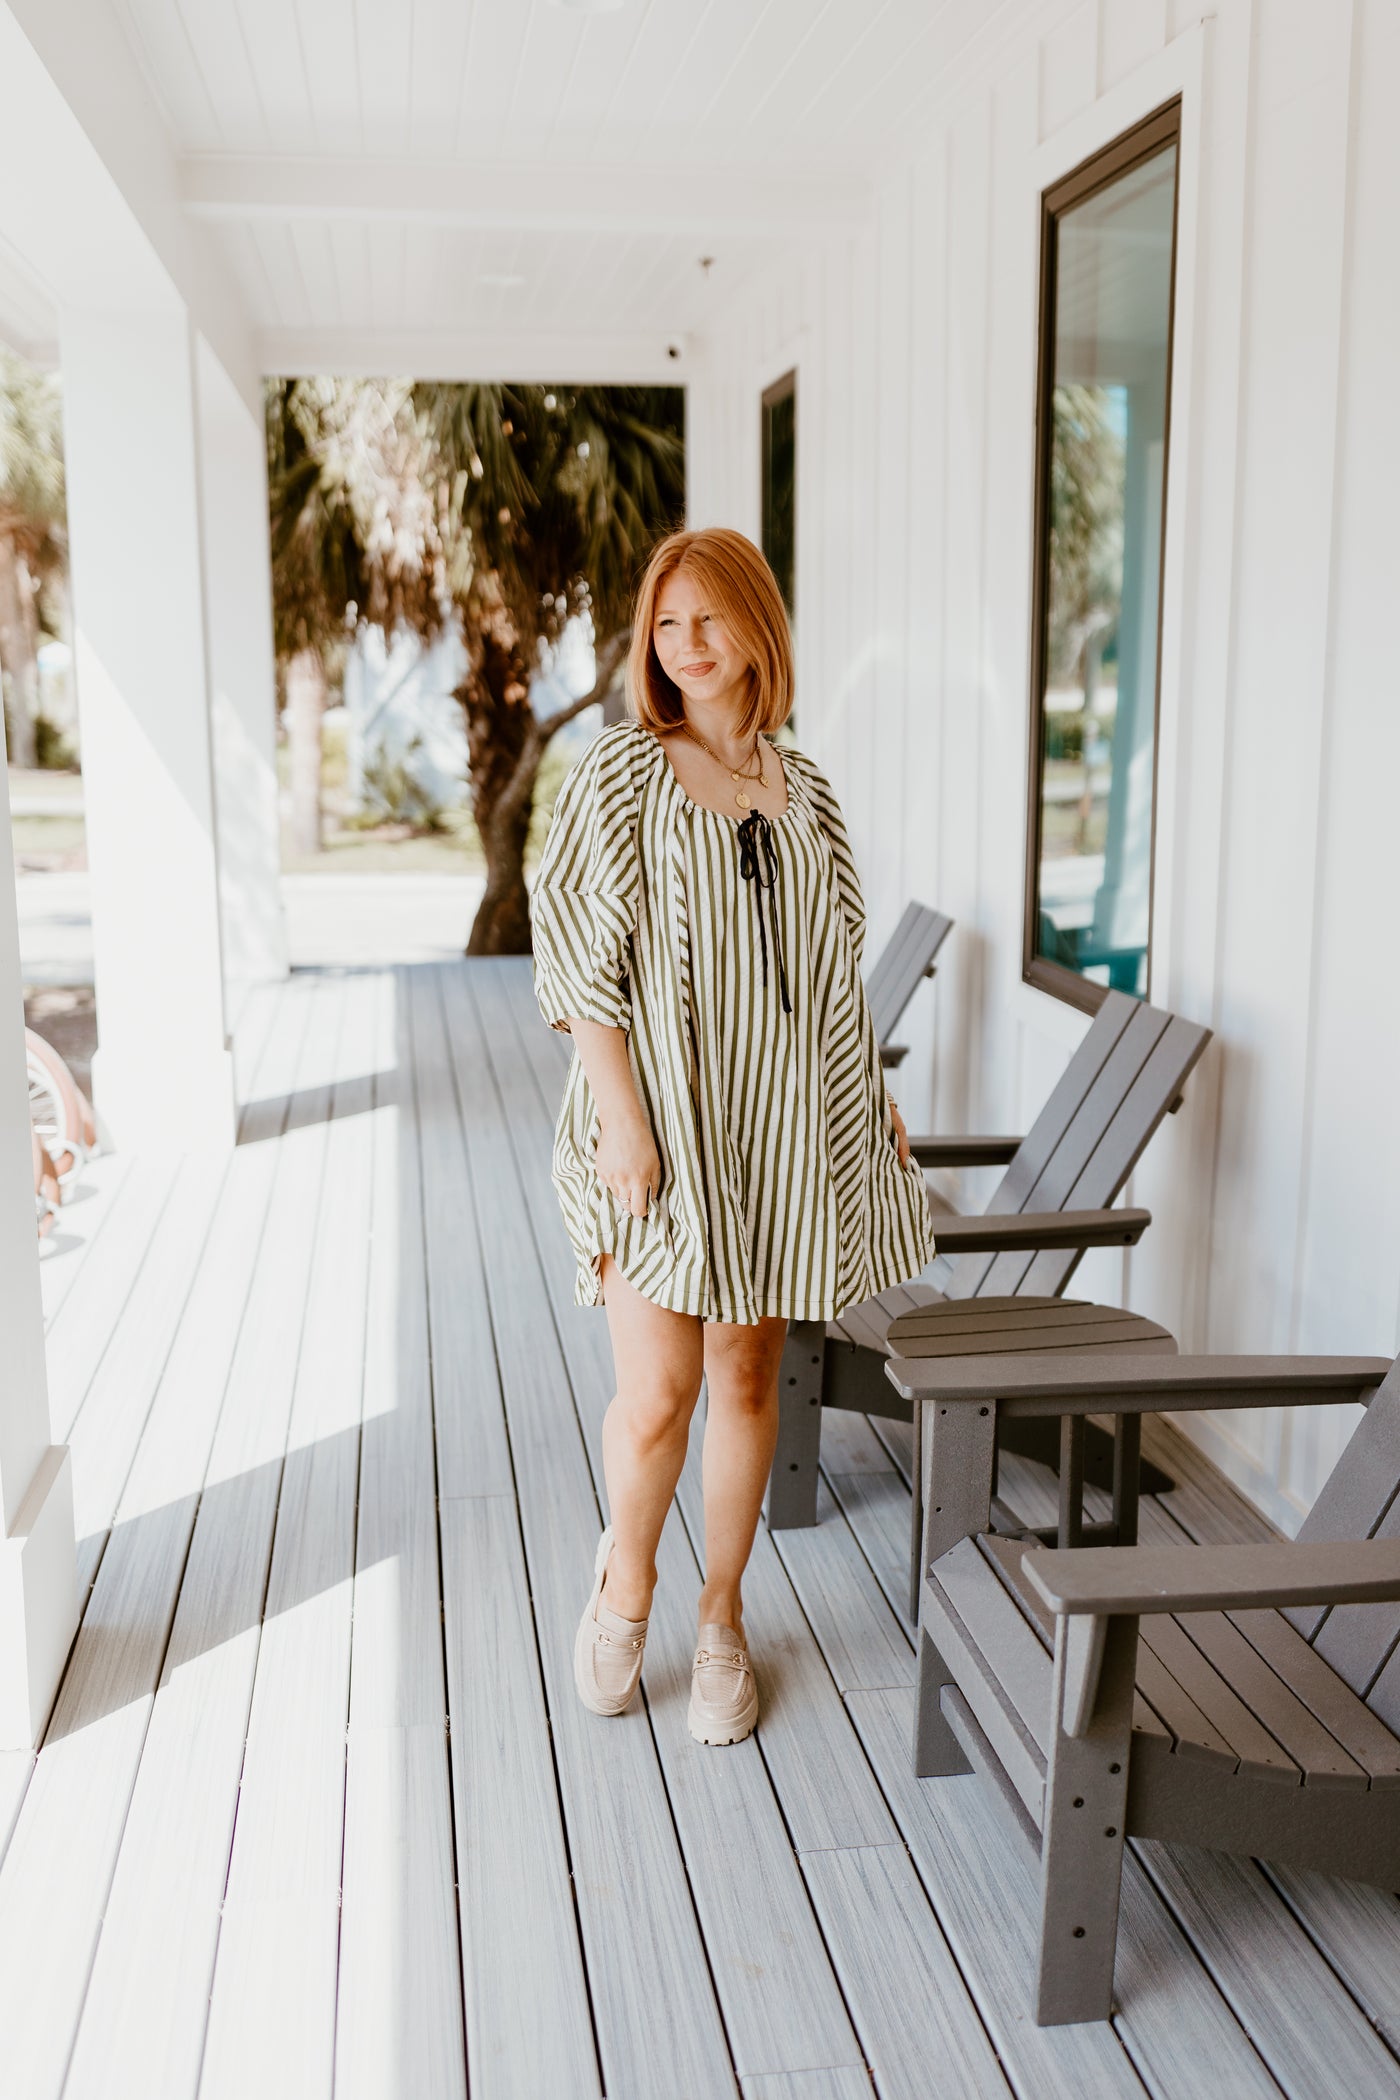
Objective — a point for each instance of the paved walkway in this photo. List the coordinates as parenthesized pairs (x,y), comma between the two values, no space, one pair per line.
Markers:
(331,919)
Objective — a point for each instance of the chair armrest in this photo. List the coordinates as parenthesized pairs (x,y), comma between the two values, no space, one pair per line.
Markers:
(964,1151)
(1027,1231)
(1112,1581)
(1067,1383)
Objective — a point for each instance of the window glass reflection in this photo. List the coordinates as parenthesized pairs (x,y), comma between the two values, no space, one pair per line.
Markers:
(780,482)
(1101,576)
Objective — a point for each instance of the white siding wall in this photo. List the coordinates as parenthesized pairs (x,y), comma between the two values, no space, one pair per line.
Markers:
(1276,1192)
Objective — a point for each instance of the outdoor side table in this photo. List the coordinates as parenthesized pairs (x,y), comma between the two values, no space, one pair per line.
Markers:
(1035,1326)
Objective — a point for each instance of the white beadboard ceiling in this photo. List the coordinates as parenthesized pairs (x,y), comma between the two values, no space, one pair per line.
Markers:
(530,80)
(518,169)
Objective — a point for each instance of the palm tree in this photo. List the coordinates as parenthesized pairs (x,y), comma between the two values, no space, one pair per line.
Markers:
(359,537)
(33,537)
(563,490)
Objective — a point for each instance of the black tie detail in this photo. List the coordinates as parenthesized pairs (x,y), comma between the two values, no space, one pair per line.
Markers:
(758,863)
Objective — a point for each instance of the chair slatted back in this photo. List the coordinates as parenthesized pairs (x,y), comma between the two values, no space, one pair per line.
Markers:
(1361,1500)
(1120,1083)
(907,957)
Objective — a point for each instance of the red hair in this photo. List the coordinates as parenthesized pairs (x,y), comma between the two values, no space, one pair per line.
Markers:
(742,590)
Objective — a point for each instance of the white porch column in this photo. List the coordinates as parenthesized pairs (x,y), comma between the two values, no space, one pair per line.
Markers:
(238,619)
(38,1567)
(163,1069)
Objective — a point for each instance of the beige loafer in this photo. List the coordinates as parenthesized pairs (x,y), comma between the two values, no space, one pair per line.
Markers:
(607,1649)
(723,1695)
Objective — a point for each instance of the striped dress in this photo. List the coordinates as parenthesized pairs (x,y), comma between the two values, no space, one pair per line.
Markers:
(750,1042)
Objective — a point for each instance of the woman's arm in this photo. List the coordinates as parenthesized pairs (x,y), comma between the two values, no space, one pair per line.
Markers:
(627,1161)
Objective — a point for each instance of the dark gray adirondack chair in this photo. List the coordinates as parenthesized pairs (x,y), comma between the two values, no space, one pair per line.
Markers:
(1243,1697)
(1051,1204)
(908,956)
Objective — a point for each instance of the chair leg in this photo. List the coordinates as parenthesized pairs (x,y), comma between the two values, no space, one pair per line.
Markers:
(916,1517)
(937,1751)
(1081,1845)
(791,1502)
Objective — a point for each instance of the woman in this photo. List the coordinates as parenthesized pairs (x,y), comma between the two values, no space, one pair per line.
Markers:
(726,1156)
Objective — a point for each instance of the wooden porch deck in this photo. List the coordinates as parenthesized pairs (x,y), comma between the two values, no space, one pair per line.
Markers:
(335,1428)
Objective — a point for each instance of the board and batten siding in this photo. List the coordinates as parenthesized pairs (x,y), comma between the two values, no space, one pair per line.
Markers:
(1276,1191)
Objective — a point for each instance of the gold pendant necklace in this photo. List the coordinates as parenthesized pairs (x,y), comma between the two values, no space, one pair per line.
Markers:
(741,796)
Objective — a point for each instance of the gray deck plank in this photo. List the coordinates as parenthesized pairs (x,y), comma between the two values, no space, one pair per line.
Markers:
(203,1351)
(1208,1507)
(1358,1930)
(16,1771)
(1170,2016)
(822,1776)
(782,2006)
(513,1865)
(851,1444)
(105,1436)
(149,2001)
(58,1879)
(515,1899)
(90,1315)
(876,1505)
(866,1647)
(836,2082)
(1309,2030)
(399,2026)
(963,1848)
(279,1930)
(916,2020)
(473,1449)
(636,1910)
(86,1209)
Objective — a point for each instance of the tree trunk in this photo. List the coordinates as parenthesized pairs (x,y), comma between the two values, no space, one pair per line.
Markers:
(502,922)
(19,661)
(306,706)
(504,747)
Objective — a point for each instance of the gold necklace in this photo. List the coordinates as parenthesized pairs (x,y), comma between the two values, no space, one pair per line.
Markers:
(760,776)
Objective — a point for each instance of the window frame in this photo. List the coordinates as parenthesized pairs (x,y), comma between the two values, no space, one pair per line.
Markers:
(769,398)
(1141,142)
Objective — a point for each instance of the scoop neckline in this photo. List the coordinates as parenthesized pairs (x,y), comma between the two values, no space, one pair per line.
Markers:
(703,808)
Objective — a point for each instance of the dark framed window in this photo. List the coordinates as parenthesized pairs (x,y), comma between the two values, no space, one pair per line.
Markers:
(779,452)
(1107,275)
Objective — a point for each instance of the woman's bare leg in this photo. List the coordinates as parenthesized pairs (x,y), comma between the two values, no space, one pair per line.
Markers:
(741,1431)
(658,1357)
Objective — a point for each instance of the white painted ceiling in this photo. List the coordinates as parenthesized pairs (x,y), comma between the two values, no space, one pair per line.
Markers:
(391,170)
(531,80)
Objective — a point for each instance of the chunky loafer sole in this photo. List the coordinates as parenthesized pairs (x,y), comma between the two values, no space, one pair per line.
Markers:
(730,1711)
(706,1730)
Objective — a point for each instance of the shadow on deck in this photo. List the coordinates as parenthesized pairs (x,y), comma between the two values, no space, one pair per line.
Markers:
(318,1811)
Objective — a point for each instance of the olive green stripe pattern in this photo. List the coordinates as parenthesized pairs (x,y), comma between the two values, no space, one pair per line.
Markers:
(781,1189)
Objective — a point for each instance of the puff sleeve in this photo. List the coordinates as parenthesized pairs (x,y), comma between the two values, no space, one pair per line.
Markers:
(584,906)
(827,809)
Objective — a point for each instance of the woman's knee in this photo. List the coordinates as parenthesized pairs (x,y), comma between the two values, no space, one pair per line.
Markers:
(741,1365)
(748,1397)
(652,1421)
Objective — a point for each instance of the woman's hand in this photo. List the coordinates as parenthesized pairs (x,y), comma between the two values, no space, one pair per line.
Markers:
(627,1161)
(901,1135)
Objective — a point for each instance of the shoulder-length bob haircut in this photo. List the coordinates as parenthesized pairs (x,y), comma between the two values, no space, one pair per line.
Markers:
(741,589)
